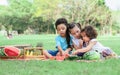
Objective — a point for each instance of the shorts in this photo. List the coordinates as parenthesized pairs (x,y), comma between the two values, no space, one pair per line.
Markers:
(53,52)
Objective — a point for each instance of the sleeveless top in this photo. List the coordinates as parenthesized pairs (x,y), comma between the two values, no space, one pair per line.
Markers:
(98,46)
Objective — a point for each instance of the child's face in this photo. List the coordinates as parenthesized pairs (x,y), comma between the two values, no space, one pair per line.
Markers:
(61,30)
(75,32)
(85,37)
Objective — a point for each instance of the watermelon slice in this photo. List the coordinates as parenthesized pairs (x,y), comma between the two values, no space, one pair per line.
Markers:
(60,58)
(11,51)
(2,52)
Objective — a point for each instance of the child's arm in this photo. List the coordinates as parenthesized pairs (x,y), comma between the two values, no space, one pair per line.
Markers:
(60,50)
(58,46)
(86,49)
(81,43)
(68,50)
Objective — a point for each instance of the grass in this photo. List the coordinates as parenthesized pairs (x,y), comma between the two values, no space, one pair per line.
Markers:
(47,40)
(35,67)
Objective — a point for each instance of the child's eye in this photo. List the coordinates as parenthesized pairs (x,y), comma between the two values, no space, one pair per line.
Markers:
(58,29)
(77,31)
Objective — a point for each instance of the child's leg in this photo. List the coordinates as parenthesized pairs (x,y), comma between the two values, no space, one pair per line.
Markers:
(47,55)
(50,53)
(108,53)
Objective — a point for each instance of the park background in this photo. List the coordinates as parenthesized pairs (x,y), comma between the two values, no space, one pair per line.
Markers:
(39,16)
(32,21)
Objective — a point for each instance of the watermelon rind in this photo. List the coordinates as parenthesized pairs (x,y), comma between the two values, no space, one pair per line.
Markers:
(91,55)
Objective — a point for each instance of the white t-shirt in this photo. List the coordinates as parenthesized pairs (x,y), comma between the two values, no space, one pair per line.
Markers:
(76,41)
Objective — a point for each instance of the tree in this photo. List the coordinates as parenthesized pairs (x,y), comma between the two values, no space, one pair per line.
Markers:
(89,12)
(17,14)
(40,15)
(47,10)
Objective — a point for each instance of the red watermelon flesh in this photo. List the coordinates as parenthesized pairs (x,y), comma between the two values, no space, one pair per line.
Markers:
(60,58)
(11,51)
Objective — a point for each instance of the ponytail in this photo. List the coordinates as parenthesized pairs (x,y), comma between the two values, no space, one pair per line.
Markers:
(79,26)
(68,37)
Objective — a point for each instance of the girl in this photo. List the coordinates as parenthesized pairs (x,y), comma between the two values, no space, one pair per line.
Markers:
(74,29)
(89,35)
(78,43)
(63,40)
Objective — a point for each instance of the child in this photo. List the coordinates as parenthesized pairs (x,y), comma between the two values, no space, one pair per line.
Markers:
(74,29)
(89,35)
(63,40)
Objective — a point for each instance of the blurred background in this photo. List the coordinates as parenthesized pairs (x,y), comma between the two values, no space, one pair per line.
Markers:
(39,16)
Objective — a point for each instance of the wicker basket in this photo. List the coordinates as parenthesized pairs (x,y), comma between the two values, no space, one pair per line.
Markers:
(34,53)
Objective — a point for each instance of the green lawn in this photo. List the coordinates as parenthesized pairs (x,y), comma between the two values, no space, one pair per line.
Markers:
(35,67)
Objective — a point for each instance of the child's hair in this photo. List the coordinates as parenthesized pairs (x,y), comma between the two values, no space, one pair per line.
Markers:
(90,32)
(60,21)
(64,21)
(72,25)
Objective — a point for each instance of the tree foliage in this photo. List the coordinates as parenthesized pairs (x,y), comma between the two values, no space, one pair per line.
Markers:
(40,15)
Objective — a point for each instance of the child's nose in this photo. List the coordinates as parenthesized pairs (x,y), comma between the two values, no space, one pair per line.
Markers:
(77,34)
(61,30)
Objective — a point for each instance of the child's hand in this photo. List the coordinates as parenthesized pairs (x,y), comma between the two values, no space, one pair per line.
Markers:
(66,52)
(75,52)
(66,55)
(60,53)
